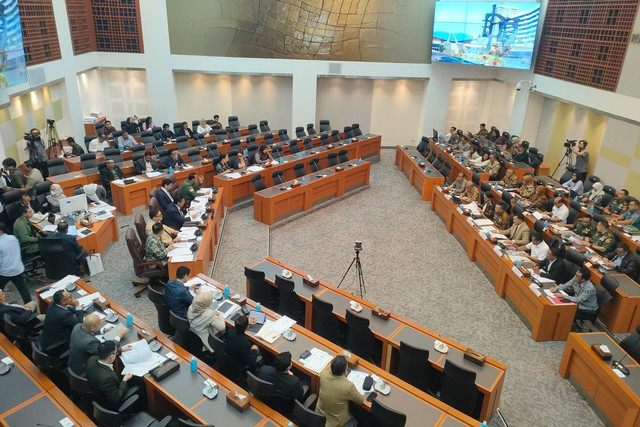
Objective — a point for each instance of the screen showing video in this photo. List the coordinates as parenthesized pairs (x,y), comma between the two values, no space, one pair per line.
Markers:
(13,69)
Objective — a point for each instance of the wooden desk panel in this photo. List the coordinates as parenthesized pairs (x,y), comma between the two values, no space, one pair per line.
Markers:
(456,166)
(127,196)
(69,181)
(104,232)
(424,181)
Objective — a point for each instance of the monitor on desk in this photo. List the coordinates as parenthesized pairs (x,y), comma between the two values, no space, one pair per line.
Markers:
(435,134)
(73,204)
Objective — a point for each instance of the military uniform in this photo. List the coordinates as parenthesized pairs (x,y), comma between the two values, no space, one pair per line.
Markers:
(189,190)
(510,181)
(584,231)
(634,216)
(455,140)
(619,206)
(501,221)
(605,240)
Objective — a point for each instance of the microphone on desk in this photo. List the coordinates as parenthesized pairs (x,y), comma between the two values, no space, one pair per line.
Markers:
(618,364)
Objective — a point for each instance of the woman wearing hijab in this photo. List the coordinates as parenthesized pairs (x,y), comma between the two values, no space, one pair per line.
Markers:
(594,196)
(93,192)
(540,200)
(54,197)
(574,184)
(527,190)
(202,319)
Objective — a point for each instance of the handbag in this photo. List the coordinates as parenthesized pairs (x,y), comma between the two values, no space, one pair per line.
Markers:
(94,264)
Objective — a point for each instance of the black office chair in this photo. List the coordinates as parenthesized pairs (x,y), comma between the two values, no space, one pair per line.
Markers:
(335,135)
(609,283)
(348,132)
(437,164)
(268,139)
(58,263)
(324,322)
(314,165)
(293,146)
(233,132)
(122,417)
(383,416)
(113,154)
(188,423)
(299,170)
(194,155)
(56,167)
(252,149)
(539,226)
(603,296)
(88,161)
(311,129)
(414,367)
(187,339)
(21,336)
(283,135)
(631,344)
(307,417)
(588,184)
(234,122)
(609,193)
(325,125)
(324,139)
(289,303)
(300,132)
(332,158)
(220,135)
(235,144)
(264,126)
(259,289)
(306,143)
(343,155)
(575,257)
(162,309)
(262,390)
(81,392)
(234,160)
(444,170)
(277,176)
(355,128)
(359,336)
(182,143)
(459,388)
(258,183)
(227,366)
(253,129)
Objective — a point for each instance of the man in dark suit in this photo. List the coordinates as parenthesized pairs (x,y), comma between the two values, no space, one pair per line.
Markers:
(174,160)
(552,267)
(286,385)
(110,173)
(84,344)
(71,246)
(23,315)
(62,315)
(174,214)
(624,261)
(102,378)
(145,164)
(164,196)
(184,130)
(238,345)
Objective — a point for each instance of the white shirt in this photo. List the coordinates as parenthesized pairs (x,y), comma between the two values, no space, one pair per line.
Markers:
(205,130)
(10,258)
(539,251)
(562,213)
(95,145)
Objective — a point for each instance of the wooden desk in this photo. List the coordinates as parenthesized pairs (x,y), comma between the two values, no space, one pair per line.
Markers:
(490,376)
(420,408)
(456,166)
(622,313)
(423,179)
(90,128)
(127,196)
(181,393)
(69,181)
(272,203)
(618,398)
(104,232)
(29,397)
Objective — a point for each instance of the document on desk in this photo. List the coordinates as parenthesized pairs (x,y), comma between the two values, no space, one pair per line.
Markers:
(153,174)
(481,222)
(282,324)
(182,258)
(233,175)
(254,168)
(267,334)
(140,359)
(317,361)
(179,251)
(87,300)
(118,181)
(357,378)
(113,332)
(60,284)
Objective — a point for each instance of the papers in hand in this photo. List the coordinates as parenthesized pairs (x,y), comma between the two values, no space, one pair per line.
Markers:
(113,332)
(140,359)
(317,361)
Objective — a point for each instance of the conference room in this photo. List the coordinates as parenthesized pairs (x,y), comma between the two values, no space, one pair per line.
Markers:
(309,171)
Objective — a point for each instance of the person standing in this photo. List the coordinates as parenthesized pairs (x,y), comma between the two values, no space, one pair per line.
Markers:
(582,159)
(11,267)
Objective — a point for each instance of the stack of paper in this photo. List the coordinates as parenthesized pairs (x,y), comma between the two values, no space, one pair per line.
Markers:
(153,174)
(233,175)
(267,333)
(282,324)
(60,284)
(187,233)
(483,222)
(317,361)
(179,252)
(254,169)
(87,301)
(357,378)
(140,359)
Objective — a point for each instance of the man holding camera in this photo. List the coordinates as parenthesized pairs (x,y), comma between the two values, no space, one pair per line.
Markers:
(582,159)
(37,152)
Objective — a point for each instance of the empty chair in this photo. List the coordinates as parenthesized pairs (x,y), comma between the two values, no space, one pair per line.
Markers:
(157,131)
(56,167)
(573,215)
(325,125)
(235,144)
(335,135)
(250,140)
(268,139)
(300,132)
(233,132)
(306,142)
(259,289)
(437,164)
(283,135)
(445,172)
(198,139)
(382,416)
(162,309)
(277,176)
(307,417)
(293,146)
(276,151)
(195,124)
(176,126)
(112,154)
(158,147)
(147,139)
(314,165)
(459,388)
(324,322)
(414,366)
(234,122)
(194,155)
(609,283)
(507,196)
(88,161)
(139,148)
(359,336)
(348,133)
(122,417)
(289,303)
(299,170)
(475,178)
(182,143)
(264,126)
(258,183)
(253,129)
(343,155)
(324,139)
(355,128)
(332,158)
(221,134)
(432,156)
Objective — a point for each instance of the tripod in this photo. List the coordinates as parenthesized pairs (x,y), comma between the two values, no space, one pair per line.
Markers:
(361,286)
(52,140)
(565,159)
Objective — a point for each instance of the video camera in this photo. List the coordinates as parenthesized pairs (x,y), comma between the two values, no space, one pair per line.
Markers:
(358,246)
(570,143)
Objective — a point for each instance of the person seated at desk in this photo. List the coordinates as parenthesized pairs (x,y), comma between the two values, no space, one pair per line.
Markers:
(540,200)
(489,207)
(84,344)
(25,232)
(202,319)
(483,132)
(631,216)
(574,184)
(552,267)
(34,176)
(54,198)
(458,185)
(528,188)
(619,204)
(262,156)
(108,129)
(522,154)
(148,124)
(480,162)
(76,149)
(594,196)
(560,211)
(103,380)
(168,235)
(167,134)
(472,154)
(456,137)
(518,233)
(28,202)
(174,160)
(132,125)
(145,164)
(216,122)
(97,145)
(203,127)
(509,180)
(189,188)
(22,315)
(493,168)
(173,216)
(15,173)
(335,393)
(287,386)
(71,246)
(110,173)
(537,247)
(238,345)
(93,193)
(603,240)
(464,145)
(185,131)
(177,295)
(154,248)
(584,294)
(470,193)
(623,261)
(501,217)
(584,227)
(62,315)
(11,267)
(164,196)
(126,141)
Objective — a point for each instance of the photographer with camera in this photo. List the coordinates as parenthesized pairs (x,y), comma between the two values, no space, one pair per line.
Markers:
(582,159)
(37,153)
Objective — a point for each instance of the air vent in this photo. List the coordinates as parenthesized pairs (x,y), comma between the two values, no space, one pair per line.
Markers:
(36,76)
(335,68)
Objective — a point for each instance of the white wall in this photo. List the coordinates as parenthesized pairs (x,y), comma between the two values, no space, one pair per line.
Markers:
(344,101)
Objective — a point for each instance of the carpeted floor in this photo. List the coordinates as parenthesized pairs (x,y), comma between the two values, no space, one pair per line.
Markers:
(411,266)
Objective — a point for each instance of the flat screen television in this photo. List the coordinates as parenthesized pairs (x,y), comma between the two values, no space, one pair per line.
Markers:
(488,33)
(13,69)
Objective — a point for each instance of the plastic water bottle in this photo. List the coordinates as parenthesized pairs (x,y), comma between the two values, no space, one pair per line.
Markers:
(281,161)
(349,140)
(303,181)
(129,320)
(258,307)
(227,291)
(519,263)
(364,136)
(575,199)
(495,185)
(193,364)
(246,152)
(297,155)
(290,424)
(484,424)
(591,210)
(360,161)
(121,148)
(170,169)
(304,153)
(546,224)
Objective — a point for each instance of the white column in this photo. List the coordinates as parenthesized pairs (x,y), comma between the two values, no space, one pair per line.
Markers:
(436,100)
(303,103)
(519,111)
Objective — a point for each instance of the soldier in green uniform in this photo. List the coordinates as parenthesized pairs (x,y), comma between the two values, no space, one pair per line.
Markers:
(603,240)
(584,227)
(619,204)
(189,188)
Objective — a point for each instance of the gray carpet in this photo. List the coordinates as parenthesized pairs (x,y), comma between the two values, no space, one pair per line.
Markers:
(411,265)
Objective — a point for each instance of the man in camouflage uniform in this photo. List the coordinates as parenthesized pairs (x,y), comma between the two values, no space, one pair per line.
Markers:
(619,204)
(584,227)
(603,240)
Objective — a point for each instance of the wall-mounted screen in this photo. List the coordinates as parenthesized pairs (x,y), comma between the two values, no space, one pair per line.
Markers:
(492,34)
(13,69)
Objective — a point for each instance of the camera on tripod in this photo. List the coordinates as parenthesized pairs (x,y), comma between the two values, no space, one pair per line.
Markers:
(51,123)
(358,247)
(570,143)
